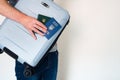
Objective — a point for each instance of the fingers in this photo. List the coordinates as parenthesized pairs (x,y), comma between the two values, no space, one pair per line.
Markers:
(35,30)
(38,31)
(41,25)
(39,28)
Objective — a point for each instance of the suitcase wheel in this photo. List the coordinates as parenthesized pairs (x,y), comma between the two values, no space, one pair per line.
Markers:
(1,51)
(28,71)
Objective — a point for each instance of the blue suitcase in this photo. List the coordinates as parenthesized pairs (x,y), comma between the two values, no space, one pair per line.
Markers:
(16,41)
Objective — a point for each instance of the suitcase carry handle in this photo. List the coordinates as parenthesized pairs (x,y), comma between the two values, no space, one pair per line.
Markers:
(1,51)
(10,53)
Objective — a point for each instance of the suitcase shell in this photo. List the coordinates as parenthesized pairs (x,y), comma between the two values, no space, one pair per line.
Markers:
(16,41)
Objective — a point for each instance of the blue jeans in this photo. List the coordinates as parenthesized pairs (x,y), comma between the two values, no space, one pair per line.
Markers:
(45,70)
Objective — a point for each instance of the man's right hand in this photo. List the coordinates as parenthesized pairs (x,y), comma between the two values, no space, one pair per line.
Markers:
(33,26)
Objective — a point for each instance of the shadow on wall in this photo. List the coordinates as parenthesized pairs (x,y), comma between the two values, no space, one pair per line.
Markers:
(63,46)
(63,55)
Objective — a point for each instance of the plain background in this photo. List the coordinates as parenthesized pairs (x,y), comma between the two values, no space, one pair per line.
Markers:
(90,45)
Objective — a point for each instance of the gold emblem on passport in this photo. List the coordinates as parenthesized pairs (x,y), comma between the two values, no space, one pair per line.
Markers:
(43,20)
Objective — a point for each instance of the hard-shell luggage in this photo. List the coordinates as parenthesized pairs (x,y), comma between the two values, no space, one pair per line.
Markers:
(16,41)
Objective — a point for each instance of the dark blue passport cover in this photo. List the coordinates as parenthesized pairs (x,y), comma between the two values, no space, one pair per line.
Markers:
(52,26)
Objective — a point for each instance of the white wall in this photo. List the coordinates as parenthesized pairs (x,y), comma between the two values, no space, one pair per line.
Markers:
(89,47)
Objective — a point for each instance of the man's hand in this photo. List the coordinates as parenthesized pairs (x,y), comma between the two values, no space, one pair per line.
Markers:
(33,26)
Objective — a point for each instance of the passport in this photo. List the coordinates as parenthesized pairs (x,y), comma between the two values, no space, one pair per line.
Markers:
(52,25)
(43,19)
